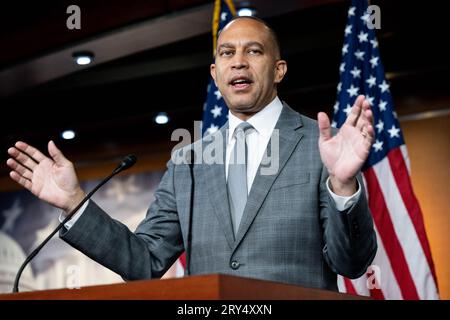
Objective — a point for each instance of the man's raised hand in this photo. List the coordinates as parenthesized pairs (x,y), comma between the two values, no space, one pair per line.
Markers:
(345,153)
(51,179)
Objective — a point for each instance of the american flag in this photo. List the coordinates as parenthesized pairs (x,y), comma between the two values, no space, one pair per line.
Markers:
(403,267)
(215,111)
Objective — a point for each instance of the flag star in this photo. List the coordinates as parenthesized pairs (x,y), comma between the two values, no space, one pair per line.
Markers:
(394,132)
(356,73)
(359,54)
(351,11)
(371,81)
(384,86)
(223,16)
(336,107)
(374,43)
(382,105)
(342,67)
(348,109)
(378,145)
(374,61)
(362,36)
(365,17)
(334,124)
(394,114)
(217,111)
(339,87)
(344,49)
(352,91)
(213,128)
(348,29)
(218,94)
(370,99)
(380,126)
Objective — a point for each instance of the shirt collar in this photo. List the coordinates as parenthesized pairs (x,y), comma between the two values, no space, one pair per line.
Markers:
(263,121)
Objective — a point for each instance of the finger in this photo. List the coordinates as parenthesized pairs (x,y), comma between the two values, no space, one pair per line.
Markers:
(23,158)
(22,170)
(30,150)
(365,117)
(368,114)
(370,133)
(355,111)
(21,180)
(324,126)
(56,154)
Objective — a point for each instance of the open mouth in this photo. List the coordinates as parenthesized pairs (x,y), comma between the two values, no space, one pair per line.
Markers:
(240,83)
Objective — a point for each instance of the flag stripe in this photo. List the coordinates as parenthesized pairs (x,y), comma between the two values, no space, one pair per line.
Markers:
(389,238)
(350,289)
(399,170)
(388,282)
(405,230)
(360,285)
(406,158)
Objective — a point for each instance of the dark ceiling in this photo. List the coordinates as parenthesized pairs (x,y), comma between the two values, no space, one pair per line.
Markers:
(111,105)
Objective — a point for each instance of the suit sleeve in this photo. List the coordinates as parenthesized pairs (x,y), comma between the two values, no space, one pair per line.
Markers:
(349,237)
(146,253)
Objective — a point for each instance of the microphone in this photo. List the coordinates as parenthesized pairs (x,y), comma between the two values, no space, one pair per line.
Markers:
(126,163)
(191,208)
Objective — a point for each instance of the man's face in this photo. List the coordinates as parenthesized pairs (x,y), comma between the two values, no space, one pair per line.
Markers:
(247,67)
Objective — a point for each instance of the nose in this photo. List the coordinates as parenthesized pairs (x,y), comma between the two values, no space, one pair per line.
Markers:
(239,61)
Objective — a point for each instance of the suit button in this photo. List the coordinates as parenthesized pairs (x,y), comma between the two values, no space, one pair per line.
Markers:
(235,265)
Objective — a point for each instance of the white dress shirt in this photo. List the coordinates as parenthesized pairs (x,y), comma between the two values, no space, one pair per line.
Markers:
(257,140)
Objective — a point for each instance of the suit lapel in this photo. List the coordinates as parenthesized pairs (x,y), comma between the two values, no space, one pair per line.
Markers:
(289,137)
(218,194)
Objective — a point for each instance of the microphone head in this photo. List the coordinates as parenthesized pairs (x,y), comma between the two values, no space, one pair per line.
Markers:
(127,162)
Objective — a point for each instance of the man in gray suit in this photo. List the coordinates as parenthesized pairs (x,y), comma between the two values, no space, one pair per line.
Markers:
(302,224)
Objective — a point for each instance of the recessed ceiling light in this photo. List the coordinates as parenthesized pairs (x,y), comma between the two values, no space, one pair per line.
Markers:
(68,134)
(162,118)
(83,58)
(246,12)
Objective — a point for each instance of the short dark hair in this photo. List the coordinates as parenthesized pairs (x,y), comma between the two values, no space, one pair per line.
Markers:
(272,32)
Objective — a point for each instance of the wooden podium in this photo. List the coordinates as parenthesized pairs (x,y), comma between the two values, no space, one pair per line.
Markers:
(207,287)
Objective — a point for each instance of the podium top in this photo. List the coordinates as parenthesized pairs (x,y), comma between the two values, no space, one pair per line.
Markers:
(204,287)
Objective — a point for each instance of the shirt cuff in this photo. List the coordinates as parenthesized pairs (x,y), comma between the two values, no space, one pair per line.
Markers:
(343,203)
(74,218)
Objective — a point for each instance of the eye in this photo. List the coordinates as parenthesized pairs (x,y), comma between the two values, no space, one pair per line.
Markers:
(255,51)
(225,53)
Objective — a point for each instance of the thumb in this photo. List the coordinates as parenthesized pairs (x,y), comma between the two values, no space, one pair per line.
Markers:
(56,154)
(324,126)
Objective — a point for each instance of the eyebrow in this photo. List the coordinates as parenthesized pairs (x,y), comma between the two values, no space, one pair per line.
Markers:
(247,44)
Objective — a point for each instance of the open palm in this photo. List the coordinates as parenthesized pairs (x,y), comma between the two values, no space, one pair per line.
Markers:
(51,179)
(345,153)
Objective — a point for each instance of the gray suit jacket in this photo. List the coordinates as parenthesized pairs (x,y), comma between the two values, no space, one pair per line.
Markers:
(290,231)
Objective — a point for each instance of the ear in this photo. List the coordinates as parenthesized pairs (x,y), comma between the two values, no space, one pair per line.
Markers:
(280,70)
(212,70)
